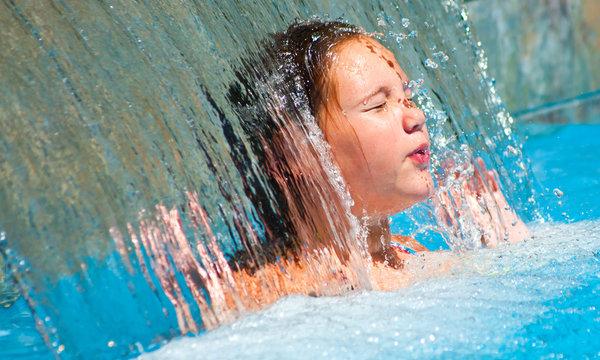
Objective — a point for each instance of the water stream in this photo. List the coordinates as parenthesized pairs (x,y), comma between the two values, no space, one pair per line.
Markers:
(129,180)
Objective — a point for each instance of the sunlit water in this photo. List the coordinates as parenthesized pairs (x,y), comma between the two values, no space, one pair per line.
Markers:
(127,174)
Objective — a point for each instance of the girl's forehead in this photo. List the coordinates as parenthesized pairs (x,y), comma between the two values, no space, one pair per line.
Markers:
(363,52)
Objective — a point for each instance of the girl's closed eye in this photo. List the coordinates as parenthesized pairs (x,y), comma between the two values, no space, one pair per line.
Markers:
(378,106)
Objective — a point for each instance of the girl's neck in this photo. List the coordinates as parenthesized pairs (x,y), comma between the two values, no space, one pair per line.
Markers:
(379,230)
(379,242)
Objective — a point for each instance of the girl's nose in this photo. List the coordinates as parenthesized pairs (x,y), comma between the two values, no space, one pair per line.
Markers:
(413,119)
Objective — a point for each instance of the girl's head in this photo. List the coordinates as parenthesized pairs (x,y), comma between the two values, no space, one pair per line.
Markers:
(362,101)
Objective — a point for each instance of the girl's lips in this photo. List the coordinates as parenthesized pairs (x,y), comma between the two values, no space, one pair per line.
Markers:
(421,154)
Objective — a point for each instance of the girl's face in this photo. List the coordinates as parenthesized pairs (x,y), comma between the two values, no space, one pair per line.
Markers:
(377,134)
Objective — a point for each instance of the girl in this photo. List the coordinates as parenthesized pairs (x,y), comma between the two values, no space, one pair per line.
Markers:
(336,76)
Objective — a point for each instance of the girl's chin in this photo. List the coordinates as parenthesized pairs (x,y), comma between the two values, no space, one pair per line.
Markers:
(393,209)
(414,199)
(394,203)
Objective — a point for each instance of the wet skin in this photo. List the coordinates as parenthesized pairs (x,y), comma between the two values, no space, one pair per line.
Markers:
(377,135)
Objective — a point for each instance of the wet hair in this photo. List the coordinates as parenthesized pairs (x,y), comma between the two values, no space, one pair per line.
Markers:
(278,92)
(309,49)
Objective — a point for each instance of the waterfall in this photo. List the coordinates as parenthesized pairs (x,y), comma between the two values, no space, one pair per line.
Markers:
(129,182)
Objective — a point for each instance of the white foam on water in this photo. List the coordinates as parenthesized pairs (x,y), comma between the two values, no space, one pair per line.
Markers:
(489,304)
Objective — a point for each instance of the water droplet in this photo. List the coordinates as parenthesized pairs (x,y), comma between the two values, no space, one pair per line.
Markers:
(431,64)
(558,193)
(373,339)
(441,55)
(405,22)
(2,236)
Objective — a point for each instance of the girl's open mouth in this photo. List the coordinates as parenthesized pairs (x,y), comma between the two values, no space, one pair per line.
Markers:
(421,154)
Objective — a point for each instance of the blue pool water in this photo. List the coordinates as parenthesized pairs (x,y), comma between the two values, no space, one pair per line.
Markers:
(566,158)
(537,299)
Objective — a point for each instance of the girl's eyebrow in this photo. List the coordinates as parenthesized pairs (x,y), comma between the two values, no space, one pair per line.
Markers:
(381,90)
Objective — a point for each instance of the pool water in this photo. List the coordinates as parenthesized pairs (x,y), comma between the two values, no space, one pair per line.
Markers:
(567,158)
(536,299)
